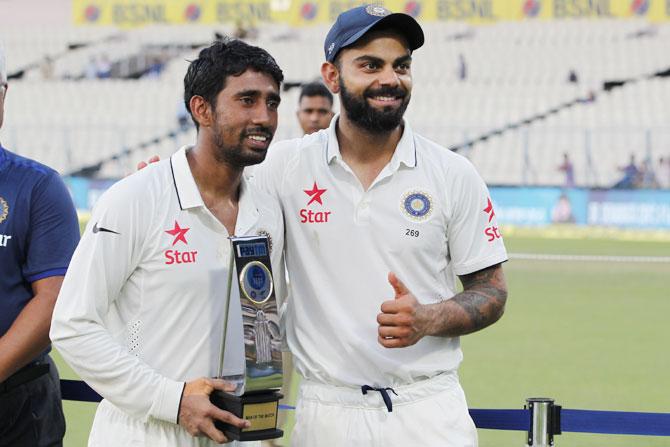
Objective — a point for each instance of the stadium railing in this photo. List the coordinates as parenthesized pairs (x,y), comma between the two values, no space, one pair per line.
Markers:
(540,418)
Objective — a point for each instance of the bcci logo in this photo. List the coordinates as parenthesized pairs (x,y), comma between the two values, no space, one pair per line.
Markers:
(375,10)
(417,206)
(267,234)
(4,209)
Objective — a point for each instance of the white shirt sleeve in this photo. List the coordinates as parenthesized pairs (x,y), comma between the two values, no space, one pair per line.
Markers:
(474,238)
(270,175)
(86,327)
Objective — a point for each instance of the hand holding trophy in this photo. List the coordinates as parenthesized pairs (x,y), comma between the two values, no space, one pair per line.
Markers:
(256,397)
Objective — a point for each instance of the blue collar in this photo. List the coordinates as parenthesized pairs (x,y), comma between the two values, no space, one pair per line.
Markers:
(3,156)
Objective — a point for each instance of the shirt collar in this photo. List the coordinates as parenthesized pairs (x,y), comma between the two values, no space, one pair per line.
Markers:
(248,214)
(3,156)
(405,151)
(187,191)
(189,196)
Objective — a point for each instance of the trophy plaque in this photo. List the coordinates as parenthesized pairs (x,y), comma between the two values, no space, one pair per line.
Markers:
(256,398)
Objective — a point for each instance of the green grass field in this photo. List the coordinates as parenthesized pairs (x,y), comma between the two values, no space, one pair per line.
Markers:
(591,335)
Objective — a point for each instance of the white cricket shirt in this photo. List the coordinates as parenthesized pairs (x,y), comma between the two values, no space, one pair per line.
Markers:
(141,308)
(427,217)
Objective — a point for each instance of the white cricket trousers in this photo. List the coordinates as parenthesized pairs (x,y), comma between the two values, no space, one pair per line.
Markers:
(430,413)
(114,428)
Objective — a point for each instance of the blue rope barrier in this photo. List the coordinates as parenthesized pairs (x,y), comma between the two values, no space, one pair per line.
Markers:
(579,421)
(616,422)
(501,419)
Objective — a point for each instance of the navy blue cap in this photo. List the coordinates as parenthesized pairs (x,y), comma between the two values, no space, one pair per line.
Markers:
(351,25)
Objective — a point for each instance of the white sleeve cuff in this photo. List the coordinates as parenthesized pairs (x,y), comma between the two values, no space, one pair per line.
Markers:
(481,264)
(166,406)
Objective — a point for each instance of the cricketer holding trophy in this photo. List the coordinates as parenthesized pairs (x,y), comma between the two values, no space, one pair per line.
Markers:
(140,313)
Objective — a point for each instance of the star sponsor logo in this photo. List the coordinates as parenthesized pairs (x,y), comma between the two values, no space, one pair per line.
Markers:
(315,196)
(4,239)
(177,256)
(492,232)
(4,209)
(178,233)
(489,209)
(416,205)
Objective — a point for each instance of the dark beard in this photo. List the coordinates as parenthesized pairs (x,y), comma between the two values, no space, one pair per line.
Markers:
(234,155)
(369,118)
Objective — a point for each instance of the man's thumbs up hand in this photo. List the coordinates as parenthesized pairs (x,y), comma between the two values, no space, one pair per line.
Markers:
(403,319)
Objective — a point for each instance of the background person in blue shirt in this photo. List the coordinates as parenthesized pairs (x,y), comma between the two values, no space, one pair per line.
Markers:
(38,234)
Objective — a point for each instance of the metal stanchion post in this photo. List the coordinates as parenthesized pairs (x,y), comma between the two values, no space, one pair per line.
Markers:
(545,421)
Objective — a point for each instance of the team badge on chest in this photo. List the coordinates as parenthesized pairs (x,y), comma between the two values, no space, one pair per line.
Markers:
(4,209)
(417,206)
(266,233)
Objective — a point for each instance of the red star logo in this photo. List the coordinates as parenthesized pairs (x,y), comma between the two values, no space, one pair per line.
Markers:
(178,233)
(489,209)
(315,194)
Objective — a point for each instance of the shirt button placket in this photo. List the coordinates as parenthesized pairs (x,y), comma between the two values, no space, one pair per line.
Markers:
(363,210)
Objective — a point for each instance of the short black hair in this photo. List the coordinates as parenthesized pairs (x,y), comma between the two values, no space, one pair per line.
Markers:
(315,89)
(206,76)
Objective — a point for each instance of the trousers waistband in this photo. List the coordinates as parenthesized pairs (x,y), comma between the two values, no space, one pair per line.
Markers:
(350,396)
(24,375)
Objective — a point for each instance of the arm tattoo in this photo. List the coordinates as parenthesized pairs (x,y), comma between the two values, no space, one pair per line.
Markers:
(481,304)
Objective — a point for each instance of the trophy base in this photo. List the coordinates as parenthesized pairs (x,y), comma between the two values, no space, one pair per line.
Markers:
(260,408)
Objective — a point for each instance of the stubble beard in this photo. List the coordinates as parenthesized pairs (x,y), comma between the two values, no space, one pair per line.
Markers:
(235,155)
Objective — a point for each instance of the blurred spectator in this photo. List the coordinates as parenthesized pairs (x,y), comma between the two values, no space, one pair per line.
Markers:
(315,107)
(589,98)
(462,68)
(569,171)
(103,69)
(91,69)
(562,211)
(155,68)
(573,78)
(183,117)
(47,68)
(244,31)
(648,174)
(664,172)
(630,177)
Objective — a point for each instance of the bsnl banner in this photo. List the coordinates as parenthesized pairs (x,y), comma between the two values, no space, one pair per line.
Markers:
(131,13)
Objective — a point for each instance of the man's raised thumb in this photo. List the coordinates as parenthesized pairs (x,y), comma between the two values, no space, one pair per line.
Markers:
(398,287)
